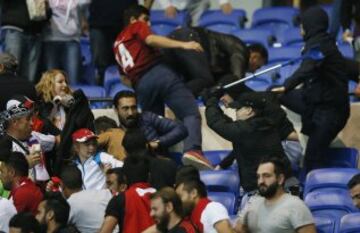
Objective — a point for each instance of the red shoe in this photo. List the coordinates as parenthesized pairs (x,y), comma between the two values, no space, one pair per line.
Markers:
(196,159)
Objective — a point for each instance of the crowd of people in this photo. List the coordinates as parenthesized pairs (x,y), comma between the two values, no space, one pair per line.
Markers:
(62,170)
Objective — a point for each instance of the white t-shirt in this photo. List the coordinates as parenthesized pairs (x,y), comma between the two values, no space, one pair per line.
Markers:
(7,211)
(87,209)
(213,213)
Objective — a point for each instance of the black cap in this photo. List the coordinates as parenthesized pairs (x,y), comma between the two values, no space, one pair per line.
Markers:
(249,99)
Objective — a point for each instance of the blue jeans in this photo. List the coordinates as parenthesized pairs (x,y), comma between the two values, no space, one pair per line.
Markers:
(65,55)
(160,85)
(26,48)
(101,42)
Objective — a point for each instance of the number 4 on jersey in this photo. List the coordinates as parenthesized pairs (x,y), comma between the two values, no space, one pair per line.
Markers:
(126,58)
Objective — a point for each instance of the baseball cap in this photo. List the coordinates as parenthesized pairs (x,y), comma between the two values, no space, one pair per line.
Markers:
(83,135)
(249,99)
(19,106)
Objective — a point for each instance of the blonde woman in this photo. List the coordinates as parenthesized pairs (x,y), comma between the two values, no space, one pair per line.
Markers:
(56,96)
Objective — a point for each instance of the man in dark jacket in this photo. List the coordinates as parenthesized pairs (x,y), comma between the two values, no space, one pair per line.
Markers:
(10,83)
(256,132)
(160,132)
(225,58)
(322,101)
(21,36)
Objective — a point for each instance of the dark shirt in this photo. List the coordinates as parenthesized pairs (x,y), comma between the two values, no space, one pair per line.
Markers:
(183,226)
(115,208)
(11,85)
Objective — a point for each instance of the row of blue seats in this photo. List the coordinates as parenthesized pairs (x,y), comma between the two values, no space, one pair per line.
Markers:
(347,224)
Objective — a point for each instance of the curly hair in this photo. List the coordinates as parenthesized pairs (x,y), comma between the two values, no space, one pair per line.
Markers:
(45,87)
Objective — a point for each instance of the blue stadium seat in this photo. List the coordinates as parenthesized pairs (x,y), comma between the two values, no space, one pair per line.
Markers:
(251,36)
(328,9)
(162,29)
(346,50)
(328,178)
(215,156)
(210,18)
(157,17)
(85,50)
(335,203)
(228,199)
(116,88)
(92,92)
(221,181)
(274,18)
(222,28)
(111,77)
(260,83)
(324,224)
(352,86)
(282,54)
(290,36)
(350,223)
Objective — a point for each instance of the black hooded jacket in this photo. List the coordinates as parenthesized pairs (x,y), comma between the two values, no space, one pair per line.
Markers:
(325,81)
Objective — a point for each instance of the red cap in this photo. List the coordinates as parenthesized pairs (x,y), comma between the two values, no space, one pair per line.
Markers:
(83,135)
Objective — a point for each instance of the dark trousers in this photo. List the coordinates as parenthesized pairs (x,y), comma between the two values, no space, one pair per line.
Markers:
(325,123)
(161,85)
(193,65)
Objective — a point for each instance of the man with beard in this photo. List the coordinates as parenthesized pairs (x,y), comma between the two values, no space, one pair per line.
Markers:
(207,216)
(354,188)
(167,212)
(53,214)
(291,213)
(160,132)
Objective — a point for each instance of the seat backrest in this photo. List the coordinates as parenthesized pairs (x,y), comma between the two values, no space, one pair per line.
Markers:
(346,50)
(350,223)
(265,15)
(329,178)
(346,157)
(111,77)
(118,87)
(159,17)
(324,224)
(228,199)
(93,92)
(289,36)
(162,29)
(259,83)
(335,202)
(251,36)
(283,54)
(236,18)
(221,181)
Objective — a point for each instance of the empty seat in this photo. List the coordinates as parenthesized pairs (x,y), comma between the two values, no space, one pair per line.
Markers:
(228,199)
(325,224)
(335,203)
(274,18)
(350,223)
(111,77)
(235,19)
(283,54)
(290,36)
(342,157)
(158,17)
(215,156)
(329,178)
(162,29)
(221,181)
(251,36)
(118,87)
(346,50)
(93,92)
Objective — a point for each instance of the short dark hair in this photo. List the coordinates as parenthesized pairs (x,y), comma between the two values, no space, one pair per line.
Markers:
(134,11)
(167,195)
(119,172)
(136,169)
(197,184)
(71,177)
(259,48)
(104,123)
(134,141)
(355,180)
(26,222)
(18,162)
(55,202)
(186,172)
(281,165)
(123,94)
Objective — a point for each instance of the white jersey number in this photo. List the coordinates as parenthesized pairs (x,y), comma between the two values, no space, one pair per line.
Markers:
(126,58)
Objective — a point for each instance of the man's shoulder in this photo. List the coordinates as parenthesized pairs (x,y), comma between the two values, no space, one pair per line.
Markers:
(92,195)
